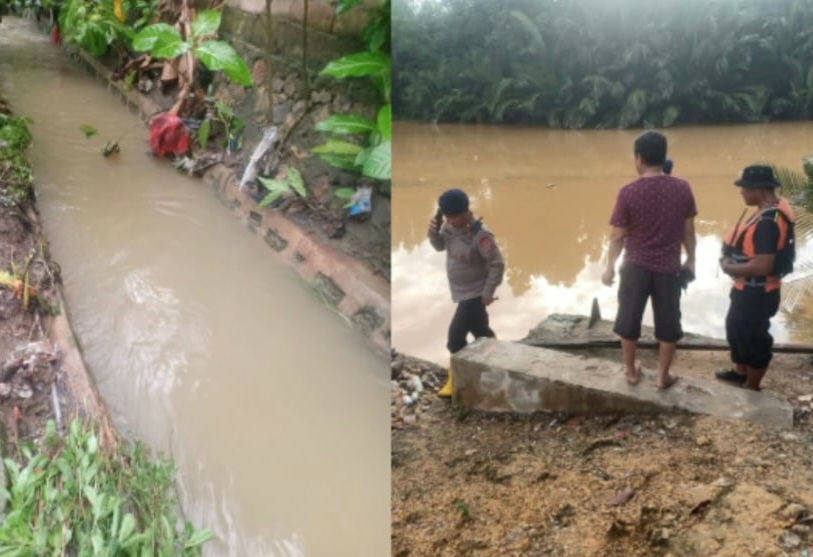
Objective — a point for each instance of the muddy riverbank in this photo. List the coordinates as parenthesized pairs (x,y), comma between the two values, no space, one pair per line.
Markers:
(42,375)
(475,484)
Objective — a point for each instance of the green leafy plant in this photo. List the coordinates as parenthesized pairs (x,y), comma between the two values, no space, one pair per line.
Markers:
(140,12)
(92,25)
(71,497)
(16,176)
(460,412)
(292,182)
(162,40)
(372,155)
(223,114)
(14,133)
(463,508)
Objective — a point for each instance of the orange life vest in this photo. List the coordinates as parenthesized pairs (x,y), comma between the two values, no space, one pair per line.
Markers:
(741,239)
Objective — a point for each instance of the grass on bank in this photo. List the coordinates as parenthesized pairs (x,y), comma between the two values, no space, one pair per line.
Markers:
(15,172)
(71,497)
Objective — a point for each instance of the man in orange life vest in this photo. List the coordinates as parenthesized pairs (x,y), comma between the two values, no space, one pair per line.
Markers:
(756,254)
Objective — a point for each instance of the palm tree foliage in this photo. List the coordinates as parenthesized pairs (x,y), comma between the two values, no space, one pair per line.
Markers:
(603,63)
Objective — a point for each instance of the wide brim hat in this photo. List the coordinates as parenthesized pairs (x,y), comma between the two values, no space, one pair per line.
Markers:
(757,176)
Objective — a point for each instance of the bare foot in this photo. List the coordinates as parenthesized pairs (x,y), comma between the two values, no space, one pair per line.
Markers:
(635,377)
(670,380)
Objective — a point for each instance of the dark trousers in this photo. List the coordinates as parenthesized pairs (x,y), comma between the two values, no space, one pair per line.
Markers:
(639,285)
(470,317)
(747,324)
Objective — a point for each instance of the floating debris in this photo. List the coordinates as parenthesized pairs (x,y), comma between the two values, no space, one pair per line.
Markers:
(89,131)
(110,148)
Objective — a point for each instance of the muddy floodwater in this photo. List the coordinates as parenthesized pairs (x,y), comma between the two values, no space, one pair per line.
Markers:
(548,196)
(201,344)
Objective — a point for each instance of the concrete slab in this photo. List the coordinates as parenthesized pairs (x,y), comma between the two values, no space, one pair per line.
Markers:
(504,376)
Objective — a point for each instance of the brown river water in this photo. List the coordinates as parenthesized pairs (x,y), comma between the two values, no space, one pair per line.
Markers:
(201,344)
(548,195)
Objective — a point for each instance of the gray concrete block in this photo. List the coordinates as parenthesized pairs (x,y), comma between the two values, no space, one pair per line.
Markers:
(504,376)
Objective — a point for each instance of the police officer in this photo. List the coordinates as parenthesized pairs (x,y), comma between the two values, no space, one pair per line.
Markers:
(756,255)
(474,268)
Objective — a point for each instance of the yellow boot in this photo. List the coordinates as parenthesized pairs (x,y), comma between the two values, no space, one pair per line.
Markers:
(446,391)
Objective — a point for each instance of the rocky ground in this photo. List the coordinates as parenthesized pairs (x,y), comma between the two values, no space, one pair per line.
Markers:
(472,484)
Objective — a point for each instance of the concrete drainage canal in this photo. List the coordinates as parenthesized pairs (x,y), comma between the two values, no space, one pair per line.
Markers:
(272,406)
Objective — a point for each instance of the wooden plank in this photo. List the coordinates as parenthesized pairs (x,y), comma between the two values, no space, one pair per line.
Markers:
(577,344)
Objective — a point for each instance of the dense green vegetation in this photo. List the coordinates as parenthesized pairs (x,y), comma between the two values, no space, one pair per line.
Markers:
(603,63)
(15,171)
(373,157)
(72,497)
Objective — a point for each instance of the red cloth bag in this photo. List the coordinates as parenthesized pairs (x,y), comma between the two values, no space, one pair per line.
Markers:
(168,135)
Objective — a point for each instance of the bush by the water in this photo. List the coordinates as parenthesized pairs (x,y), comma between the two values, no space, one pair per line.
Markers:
(15,171)
(72,497)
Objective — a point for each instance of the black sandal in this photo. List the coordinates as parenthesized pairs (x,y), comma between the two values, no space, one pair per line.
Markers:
(730,376)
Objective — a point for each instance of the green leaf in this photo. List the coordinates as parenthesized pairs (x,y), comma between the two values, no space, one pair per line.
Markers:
(344,6)
(203,133)
(529,26)
(93,444)
(276,189)
(95,41)
(341,161)
(89,131)
(296,183)
(274,185)
(219,55)
(375,36)
(270,198)
(345,124)
(198,538)
(337,147)
(170,51)
(670,114)
(130,79)
(207,22)
(344,193)
(358,65)
(385,121)
(167,549)
(379,163)
(98,543)
(136,539)
(224,111)
(159,37)
(362,157)
(128,524)
(383,82)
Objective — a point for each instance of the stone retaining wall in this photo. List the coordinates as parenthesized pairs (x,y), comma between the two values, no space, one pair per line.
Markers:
(329,35)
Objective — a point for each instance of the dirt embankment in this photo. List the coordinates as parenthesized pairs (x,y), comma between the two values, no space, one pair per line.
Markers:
(472,484)
(28,278)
